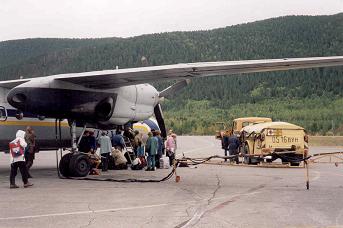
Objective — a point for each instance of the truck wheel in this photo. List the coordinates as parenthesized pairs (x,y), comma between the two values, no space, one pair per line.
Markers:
(64,165)
(246,150)
(254,160)
(247,160)
(79,165)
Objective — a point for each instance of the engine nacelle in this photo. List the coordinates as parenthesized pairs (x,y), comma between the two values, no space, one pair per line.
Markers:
(63,100)
(133,103)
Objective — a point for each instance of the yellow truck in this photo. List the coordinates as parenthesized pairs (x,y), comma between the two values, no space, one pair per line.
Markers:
(259,141)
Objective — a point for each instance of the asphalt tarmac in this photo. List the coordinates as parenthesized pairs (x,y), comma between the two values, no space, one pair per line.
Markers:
(206,196)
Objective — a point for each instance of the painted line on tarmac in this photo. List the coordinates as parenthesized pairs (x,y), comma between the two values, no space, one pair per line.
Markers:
(107,210)
(84,212)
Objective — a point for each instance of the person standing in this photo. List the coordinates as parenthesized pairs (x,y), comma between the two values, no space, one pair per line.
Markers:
(137,141)
(84,145)
(160,148)
(139,145)
(151,149)
(225,143)
(171,148)
(233,147)
(17,158)
(92,141)
(30,151)
(118,141)
(105,150)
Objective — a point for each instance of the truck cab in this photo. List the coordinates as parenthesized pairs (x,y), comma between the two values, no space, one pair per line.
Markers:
(237,125)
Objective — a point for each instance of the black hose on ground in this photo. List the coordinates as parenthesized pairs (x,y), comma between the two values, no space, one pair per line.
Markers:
(130,180)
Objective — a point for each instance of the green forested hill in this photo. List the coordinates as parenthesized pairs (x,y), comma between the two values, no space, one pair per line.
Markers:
(312,98)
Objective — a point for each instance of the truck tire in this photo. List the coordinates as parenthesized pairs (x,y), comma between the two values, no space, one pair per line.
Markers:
(247,160)
(79,165)
(246,151)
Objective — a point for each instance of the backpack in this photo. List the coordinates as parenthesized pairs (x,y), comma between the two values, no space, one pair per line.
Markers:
(16,149)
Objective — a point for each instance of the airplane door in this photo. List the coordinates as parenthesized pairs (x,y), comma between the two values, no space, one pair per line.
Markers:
(3,113)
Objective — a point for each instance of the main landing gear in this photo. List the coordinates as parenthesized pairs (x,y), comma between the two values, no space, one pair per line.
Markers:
(75,163)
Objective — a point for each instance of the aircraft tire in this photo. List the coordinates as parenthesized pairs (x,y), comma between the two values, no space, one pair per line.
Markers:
(79,165)
(64,165)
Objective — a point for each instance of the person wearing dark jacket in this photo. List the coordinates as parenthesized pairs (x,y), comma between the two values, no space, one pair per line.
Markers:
(233,146)
(160,148)
(85,145)
(30,151)
(118,141)
(225,143)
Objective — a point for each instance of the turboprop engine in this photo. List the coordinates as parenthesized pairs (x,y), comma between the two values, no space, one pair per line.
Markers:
(63,100)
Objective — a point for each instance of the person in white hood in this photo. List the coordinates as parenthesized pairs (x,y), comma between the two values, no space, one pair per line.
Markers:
(17,146)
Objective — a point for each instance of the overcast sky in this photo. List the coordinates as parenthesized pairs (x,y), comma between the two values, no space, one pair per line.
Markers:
(108,18)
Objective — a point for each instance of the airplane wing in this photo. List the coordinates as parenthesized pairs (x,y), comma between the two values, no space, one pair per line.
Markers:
(12,83)
(122,77)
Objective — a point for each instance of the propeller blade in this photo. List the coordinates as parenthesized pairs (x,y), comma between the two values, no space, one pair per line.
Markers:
(160,120)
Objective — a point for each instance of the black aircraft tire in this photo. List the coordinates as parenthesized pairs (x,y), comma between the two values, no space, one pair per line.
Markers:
(79,165)
(64,165)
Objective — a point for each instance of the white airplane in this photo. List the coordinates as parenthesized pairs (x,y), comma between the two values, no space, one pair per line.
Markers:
(110,98)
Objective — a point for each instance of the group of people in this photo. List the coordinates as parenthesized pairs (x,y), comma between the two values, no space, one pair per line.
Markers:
(154,147)
(148,148)
(22,154)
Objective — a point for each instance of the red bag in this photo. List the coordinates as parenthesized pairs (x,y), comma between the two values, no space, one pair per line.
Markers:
(16,149)
(143,161)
